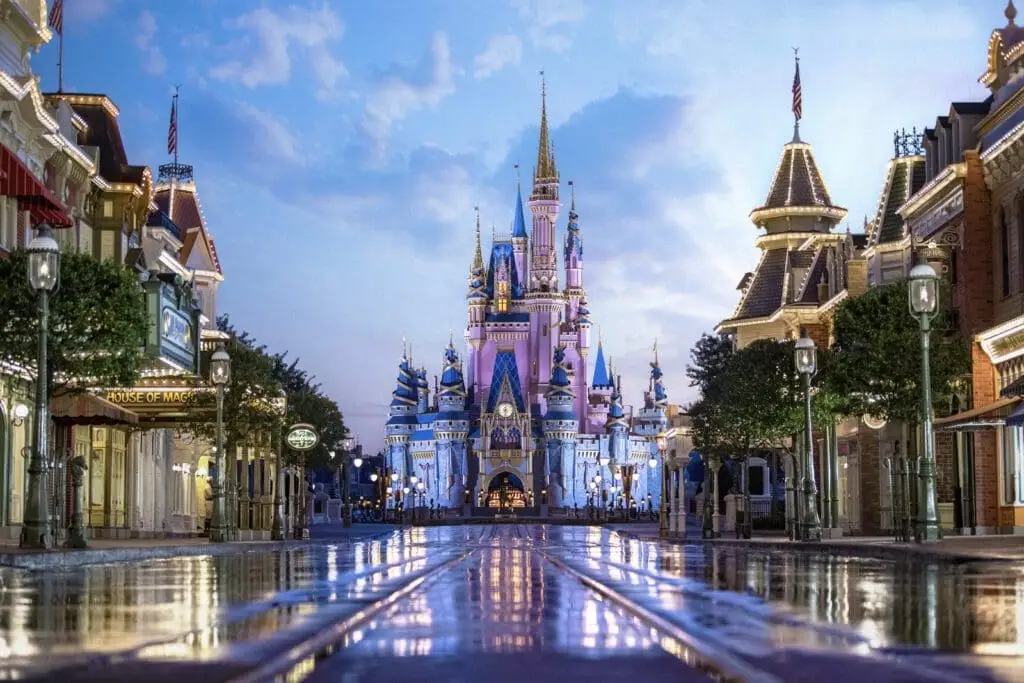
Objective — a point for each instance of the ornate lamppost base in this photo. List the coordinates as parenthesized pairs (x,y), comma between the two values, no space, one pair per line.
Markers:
(929,533)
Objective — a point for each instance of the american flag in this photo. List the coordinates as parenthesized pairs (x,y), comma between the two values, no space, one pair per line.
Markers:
(172,128)
(798,94)
(56,19)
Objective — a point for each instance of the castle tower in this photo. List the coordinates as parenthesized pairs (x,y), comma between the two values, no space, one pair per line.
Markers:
(451,429)
(600,392)
(476,302)
(422,392)
(544,206)
(402,421)
(798,218)
(520,240)
(617,427)
(560,429)
(573,256)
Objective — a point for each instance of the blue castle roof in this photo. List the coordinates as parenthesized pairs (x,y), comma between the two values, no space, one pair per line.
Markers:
(451,379)
(405,393)
(601,379)
(560,382)
(519,223)
(502,252)
(660,395)
(506,370)
(616,414)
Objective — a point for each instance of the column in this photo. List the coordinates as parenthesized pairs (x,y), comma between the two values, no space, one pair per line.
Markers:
(680,506)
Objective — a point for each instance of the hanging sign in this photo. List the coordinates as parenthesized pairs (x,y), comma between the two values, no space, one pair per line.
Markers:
(873,422)
(301,437)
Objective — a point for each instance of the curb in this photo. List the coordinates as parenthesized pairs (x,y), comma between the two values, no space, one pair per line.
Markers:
(843,550)
(60,558)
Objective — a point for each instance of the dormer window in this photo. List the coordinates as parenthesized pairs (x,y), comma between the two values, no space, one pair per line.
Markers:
(502,301)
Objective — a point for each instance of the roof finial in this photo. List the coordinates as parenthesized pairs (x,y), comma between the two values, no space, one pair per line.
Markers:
(655,349)
(405,351)
(798,96)
(478,254)
(1010,13)
(518,179)
(545,159)
(600,336)
(451,335)
(572,190)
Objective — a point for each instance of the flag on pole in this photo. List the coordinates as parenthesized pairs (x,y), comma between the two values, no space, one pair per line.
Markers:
(172,129)
(798,94)
(56,18)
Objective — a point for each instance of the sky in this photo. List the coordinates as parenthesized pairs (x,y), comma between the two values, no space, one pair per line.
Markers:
(340,148)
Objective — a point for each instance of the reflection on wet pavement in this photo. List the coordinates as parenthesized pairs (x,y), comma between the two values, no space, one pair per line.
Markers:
(503,595)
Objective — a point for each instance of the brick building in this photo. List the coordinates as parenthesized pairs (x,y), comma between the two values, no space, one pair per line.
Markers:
(973,207)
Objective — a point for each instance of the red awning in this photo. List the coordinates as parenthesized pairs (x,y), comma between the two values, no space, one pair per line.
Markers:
(17,181)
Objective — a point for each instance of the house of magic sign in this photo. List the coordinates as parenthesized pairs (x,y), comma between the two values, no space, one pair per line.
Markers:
(153,398)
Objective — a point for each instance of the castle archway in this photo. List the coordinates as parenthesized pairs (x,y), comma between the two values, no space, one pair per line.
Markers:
(505,490)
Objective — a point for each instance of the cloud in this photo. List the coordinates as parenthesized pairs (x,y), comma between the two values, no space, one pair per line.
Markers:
(271,41)
(398,94)
(153,61)
(501,51)
(551,22)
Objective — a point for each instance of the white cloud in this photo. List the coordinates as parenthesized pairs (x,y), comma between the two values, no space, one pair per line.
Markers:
(501,51)
(394,98)
(275,35)
(551,22)
(153,61)
(274,137)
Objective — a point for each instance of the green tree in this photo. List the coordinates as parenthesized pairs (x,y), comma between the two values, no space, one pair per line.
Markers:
(98,323)
(876,368)
(307,403)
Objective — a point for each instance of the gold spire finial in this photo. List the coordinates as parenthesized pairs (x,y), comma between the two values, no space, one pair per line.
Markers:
(478,254)
(1010,13)
(545,156)
(655,348)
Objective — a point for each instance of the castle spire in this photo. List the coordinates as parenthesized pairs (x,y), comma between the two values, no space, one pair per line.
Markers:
(545,169)
(798,96)
(478,254)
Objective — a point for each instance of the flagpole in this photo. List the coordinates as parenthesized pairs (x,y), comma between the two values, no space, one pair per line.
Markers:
(176,129)
(60,62)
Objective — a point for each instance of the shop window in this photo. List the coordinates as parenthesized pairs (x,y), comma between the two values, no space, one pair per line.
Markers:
(1013,465)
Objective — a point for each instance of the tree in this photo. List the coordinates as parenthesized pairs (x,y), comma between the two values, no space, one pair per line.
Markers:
(98,323)
(308,404)
(877,363)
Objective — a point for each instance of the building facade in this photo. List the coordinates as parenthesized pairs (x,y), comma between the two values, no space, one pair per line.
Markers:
(517,425)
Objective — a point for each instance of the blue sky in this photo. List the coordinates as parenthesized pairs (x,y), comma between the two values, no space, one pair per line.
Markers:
(340,147)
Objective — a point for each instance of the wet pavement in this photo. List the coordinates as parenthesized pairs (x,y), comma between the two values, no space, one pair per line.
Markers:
(515,602)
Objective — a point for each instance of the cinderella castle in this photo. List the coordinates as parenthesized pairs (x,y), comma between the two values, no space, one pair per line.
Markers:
(517,426)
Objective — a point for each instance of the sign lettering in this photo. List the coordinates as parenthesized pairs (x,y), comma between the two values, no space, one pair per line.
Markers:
(301,437)
(155,398)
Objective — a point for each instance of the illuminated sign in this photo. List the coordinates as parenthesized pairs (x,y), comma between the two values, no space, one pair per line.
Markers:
(177,329)
(155,398)
(873,422)
(301,437)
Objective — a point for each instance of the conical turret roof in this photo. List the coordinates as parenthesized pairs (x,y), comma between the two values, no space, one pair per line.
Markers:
(797,188)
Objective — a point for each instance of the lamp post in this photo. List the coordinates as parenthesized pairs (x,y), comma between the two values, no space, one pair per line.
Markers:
(346,510)
(924,304)
(662,442)
(806,363)
(43,278)
(220,376)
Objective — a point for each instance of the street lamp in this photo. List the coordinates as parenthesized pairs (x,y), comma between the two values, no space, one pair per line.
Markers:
(346,510)
(358,462)
(43,277)
(924,304)
(661,440)
(806,364)
(220,376)
(374,477)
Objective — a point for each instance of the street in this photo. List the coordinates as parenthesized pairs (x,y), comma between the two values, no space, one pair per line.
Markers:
(512,602)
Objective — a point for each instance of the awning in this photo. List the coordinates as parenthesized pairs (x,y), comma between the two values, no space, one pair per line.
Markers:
(988,416)
(89,409)
(16,180)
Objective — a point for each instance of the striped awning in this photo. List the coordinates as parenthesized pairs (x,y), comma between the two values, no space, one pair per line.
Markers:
(89,409)
(16,180)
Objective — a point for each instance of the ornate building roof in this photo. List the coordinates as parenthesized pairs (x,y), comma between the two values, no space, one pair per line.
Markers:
(181,204)
(904,176)
(602,378)
(103,132)
(797,188)
(505,380)
(519,222)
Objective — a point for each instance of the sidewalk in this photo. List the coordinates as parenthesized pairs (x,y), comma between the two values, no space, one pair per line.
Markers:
(950,549)
(109,551)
